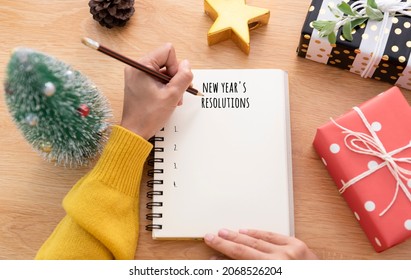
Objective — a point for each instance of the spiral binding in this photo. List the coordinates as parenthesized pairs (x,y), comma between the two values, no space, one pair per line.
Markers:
(151,194)
(152,161)
(151,183)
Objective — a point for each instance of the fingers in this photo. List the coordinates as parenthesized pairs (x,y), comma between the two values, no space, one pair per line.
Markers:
(181,80)
(164,60)
(257,244)
(231,249)
(164,56)
(270,237)
(238,245)
(246,240)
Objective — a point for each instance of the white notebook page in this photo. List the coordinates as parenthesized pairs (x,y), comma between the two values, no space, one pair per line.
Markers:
(227,157)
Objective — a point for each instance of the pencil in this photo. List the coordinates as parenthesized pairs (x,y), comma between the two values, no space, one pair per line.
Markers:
(162,77)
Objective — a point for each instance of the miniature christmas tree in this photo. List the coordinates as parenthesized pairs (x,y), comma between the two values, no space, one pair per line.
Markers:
(59,111)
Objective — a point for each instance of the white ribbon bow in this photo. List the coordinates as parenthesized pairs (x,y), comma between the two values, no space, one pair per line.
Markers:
(366,144)
(389,8)
(386,6)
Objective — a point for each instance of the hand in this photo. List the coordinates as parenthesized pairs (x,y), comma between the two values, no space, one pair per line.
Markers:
(148,103)
(258,245)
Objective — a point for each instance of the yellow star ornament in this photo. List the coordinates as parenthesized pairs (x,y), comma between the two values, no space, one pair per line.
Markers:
(234,19)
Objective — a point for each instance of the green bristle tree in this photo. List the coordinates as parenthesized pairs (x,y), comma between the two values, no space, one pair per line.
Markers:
(60,112)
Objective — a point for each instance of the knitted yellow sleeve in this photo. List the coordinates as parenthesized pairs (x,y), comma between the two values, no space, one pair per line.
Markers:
(102,208)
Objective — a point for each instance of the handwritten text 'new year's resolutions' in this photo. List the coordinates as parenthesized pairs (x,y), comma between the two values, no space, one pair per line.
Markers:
(222,101)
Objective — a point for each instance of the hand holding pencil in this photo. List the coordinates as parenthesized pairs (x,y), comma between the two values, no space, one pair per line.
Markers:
(148,103)
(156,74)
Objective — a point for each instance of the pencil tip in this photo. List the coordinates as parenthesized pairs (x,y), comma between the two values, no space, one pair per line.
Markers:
(199,93)
(90,43)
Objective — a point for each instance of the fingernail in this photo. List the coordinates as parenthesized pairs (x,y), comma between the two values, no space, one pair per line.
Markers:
(209,237)
(223,233)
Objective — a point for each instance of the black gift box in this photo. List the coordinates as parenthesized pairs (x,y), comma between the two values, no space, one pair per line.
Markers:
(389,62)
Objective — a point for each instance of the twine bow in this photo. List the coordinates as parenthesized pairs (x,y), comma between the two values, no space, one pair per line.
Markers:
(389,8)
(366,144)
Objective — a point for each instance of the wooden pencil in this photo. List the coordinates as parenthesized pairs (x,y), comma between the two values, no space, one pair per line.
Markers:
(160,76)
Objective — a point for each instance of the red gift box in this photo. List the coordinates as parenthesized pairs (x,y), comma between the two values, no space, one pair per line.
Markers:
(367,152)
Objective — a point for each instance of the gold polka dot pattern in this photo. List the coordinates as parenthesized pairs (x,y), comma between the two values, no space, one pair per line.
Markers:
(390,65)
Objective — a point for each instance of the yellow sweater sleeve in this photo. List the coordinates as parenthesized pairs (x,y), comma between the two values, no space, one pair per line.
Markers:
(101,219)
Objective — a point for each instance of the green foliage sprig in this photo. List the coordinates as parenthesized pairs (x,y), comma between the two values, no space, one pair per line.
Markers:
(348,19)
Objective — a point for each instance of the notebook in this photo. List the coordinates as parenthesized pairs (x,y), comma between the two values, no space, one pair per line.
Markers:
(224,160)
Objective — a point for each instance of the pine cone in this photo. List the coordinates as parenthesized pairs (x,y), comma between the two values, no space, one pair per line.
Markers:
(110,13)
